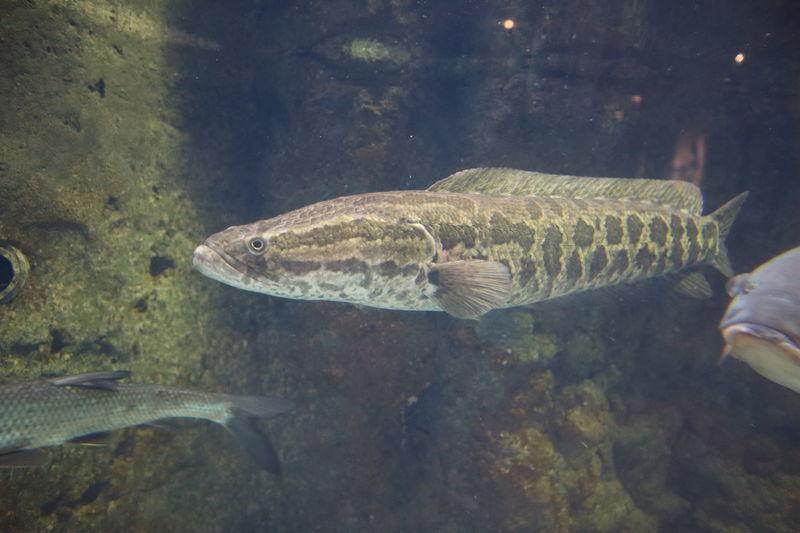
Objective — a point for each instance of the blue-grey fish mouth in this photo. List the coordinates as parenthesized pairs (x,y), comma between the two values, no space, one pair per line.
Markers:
(731,330)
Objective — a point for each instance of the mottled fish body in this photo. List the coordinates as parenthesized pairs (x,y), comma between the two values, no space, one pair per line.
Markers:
(51,412)
(478,240)
(762,323)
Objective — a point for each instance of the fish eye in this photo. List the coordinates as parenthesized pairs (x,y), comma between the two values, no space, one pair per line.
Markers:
(256,246)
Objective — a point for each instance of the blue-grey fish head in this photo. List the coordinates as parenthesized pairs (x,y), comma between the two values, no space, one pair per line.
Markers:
(762,323)
(329,251)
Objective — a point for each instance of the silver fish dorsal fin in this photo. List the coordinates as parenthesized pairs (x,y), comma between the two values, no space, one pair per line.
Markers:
(680,195)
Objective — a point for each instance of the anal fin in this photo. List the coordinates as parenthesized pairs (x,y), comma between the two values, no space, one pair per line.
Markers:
(694,285)
(471,288)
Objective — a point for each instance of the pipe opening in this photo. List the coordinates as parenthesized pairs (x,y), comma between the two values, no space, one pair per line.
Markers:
(14,268)
(6,272)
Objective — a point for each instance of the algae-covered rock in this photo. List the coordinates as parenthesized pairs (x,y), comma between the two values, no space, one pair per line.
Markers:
(513,332)
(372,50)
(95,195)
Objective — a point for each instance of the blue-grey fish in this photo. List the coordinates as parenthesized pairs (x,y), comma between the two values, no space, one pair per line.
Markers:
(50,412)
(762,324)
(478,240)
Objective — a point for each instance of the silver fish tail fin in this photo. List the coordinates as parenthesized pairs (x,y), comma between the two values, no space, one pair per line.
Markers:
(245,410)
(724,217)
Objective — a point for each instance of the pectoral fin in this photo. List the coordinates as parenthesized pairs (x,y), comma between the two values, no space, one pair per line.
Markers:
(469,289)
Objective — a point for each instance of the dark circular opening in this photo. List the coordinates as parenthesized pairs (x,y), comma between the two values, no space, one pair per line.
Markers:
(6,272)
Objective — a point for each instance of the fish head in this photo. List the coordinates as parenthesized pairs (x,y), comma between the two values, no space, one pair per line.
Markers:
(322,254)
(761,327)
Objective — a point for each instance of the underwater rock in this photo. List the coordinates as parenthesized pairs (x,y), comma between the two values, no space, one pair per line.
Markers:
(14,270)
(372,50)
(513,333)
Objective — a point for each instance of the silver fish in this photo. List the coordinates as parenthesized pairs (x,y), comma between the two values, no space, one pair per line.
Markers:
(762,324)
(481,239)
(51,412)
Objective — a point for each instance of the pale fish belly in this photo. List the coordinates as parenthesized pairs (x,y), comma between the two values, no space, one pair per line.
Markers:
(367,285)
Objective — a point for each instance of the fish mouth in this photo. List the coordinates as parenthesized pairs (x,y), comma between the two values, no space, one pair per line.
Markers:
(217,265)
(737,334)
(212,263)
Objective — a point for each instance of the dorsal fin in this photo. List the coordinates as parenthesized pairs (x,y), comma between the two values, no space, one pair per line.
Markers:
(680,195)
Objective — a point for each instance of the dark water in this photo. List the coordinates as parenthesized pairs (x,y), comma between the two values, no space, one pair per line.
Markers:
(130,131)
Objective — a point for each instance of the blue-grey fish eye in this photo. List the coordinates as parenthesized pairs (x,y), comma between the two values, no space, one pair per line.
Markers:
(256,245)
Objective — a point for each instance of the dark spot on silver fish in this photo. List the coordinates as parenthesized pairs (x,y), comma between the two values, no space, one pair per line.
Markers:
(574,267)
(583,234)
(620,262)
(644,258)
(658,231)
(552,250)
(613,230)
(599,261)
(634,226)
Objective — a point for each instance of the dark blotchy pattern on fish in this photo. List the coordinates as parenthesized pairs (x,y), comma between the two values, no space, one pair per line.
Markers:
(613,230)
(551,245)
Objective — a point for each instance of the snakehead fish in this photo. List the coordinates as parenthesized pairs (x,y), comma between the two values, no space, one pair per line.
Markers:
(51,412)
(762,323)
(478,240)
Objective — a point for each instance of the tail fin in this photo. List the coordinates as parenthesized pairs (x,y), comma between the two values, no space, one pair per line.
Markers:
(724,217)
(245,410)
